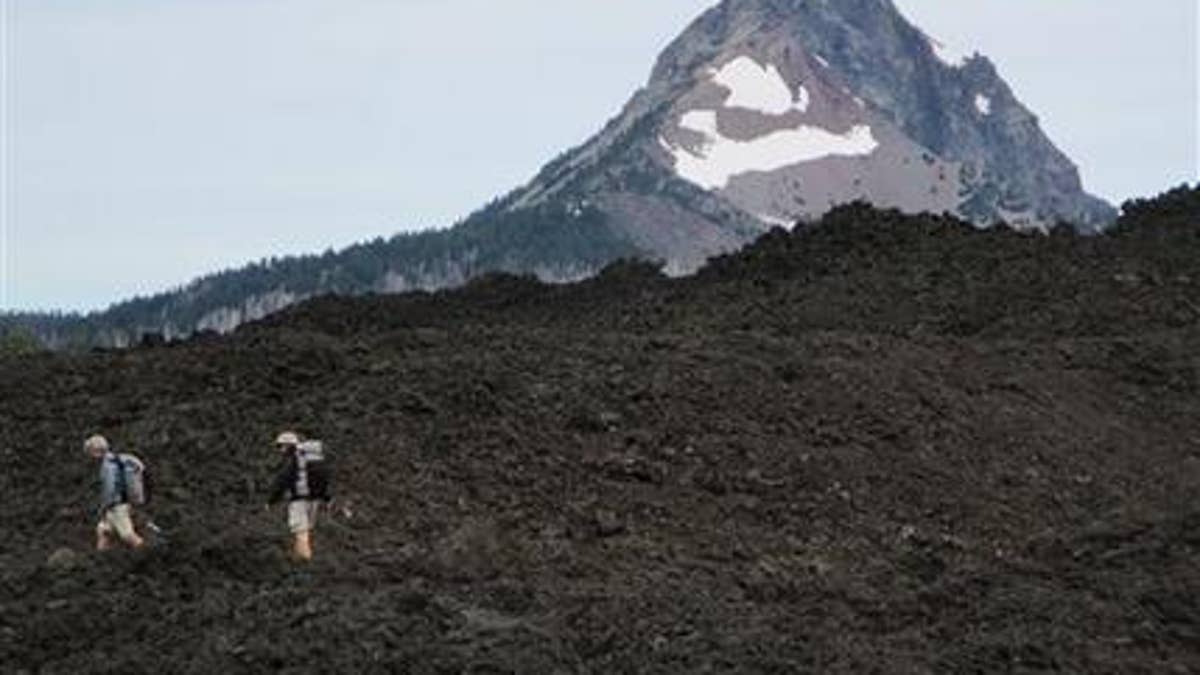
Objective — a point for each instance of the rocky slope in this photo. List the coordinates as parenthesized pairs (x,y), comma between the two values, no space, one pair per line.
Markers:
(763,112)
(881,444)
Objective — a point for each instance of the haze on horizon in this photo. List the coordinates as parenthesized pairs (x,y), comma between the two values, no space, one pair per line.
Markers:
(149,142)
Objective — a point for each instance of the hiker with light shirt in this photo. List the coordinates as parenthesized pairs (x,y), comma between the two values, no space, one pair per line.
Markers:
(121,487)
(304,481)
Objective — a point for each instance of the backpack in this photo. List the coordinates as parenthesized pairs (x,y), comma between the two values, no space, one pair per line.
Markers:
(133,481)
(310,457)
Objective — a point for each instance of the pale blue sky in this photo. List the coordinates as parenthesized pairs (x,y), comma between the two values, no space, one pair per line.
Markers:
(150,141)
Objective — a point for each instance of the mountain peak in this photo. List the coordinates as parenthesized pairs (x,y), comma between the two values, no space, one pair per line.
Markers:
(761,113)
(778,110)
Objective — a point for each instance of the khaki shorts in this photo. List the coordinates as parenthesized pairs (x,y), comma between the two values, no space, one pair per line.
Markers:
(302,515)
(117,520)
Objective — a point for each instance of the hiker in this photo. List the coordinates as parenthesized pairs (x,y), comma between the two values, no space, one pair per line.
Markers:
(304,480)
(117,474)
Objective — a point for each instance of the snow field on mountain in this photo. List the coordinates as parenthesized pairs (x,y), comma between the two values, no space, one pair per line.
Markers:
(753,86)
(756,87)
(718,159)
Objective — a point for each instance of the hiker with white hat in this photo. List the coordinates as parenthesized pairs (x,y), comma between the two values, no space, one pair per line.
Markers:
(122,485)
(304,481)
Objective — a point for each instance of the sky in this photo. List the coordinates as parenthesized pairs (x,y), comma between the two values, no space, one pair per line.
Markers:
(147,142)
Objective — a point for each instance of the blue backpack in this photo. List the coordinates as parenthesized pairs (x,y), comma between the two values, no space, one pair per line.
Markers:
(133,481)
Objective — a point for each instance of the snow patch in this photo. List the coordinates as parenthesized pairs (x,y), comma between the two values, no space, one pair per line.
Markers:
(802,99)
(776,221)
(700,121)
(756,87)
(821,60)
(983,104)
(718,159)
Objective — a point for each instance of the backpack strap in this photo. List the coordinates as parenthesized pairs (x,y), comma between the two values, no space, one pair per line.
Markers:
(122,488)
(301,473)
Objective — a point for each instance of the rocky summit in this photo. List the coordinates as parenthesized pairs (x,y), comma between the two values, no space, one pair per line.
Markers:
(769,112)
(762,113)
(879,444)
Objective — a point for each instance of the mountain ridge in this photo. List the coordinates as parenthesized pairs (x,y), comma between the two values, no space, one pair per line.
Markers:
(675,176)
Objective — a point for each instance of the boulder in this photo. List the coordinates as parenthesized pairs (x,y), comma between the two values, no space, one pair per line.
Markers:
(63,560)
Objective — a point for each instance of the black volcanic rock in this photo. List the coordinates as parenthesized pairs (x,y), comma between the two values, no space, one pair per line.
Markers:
(878,442)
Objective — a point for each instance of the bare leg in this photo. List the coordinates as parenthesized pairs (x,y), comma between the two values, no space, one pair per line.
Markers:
(302,546)
(134,541)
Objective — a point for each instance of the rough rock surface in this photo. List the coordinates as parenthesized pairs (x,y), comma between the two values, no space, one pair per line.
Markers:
(64,560)
(880,444)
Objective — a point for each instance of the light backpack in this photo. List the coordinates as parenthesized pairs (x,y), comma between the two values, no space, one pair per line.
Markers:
(311,451)
(133,482)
